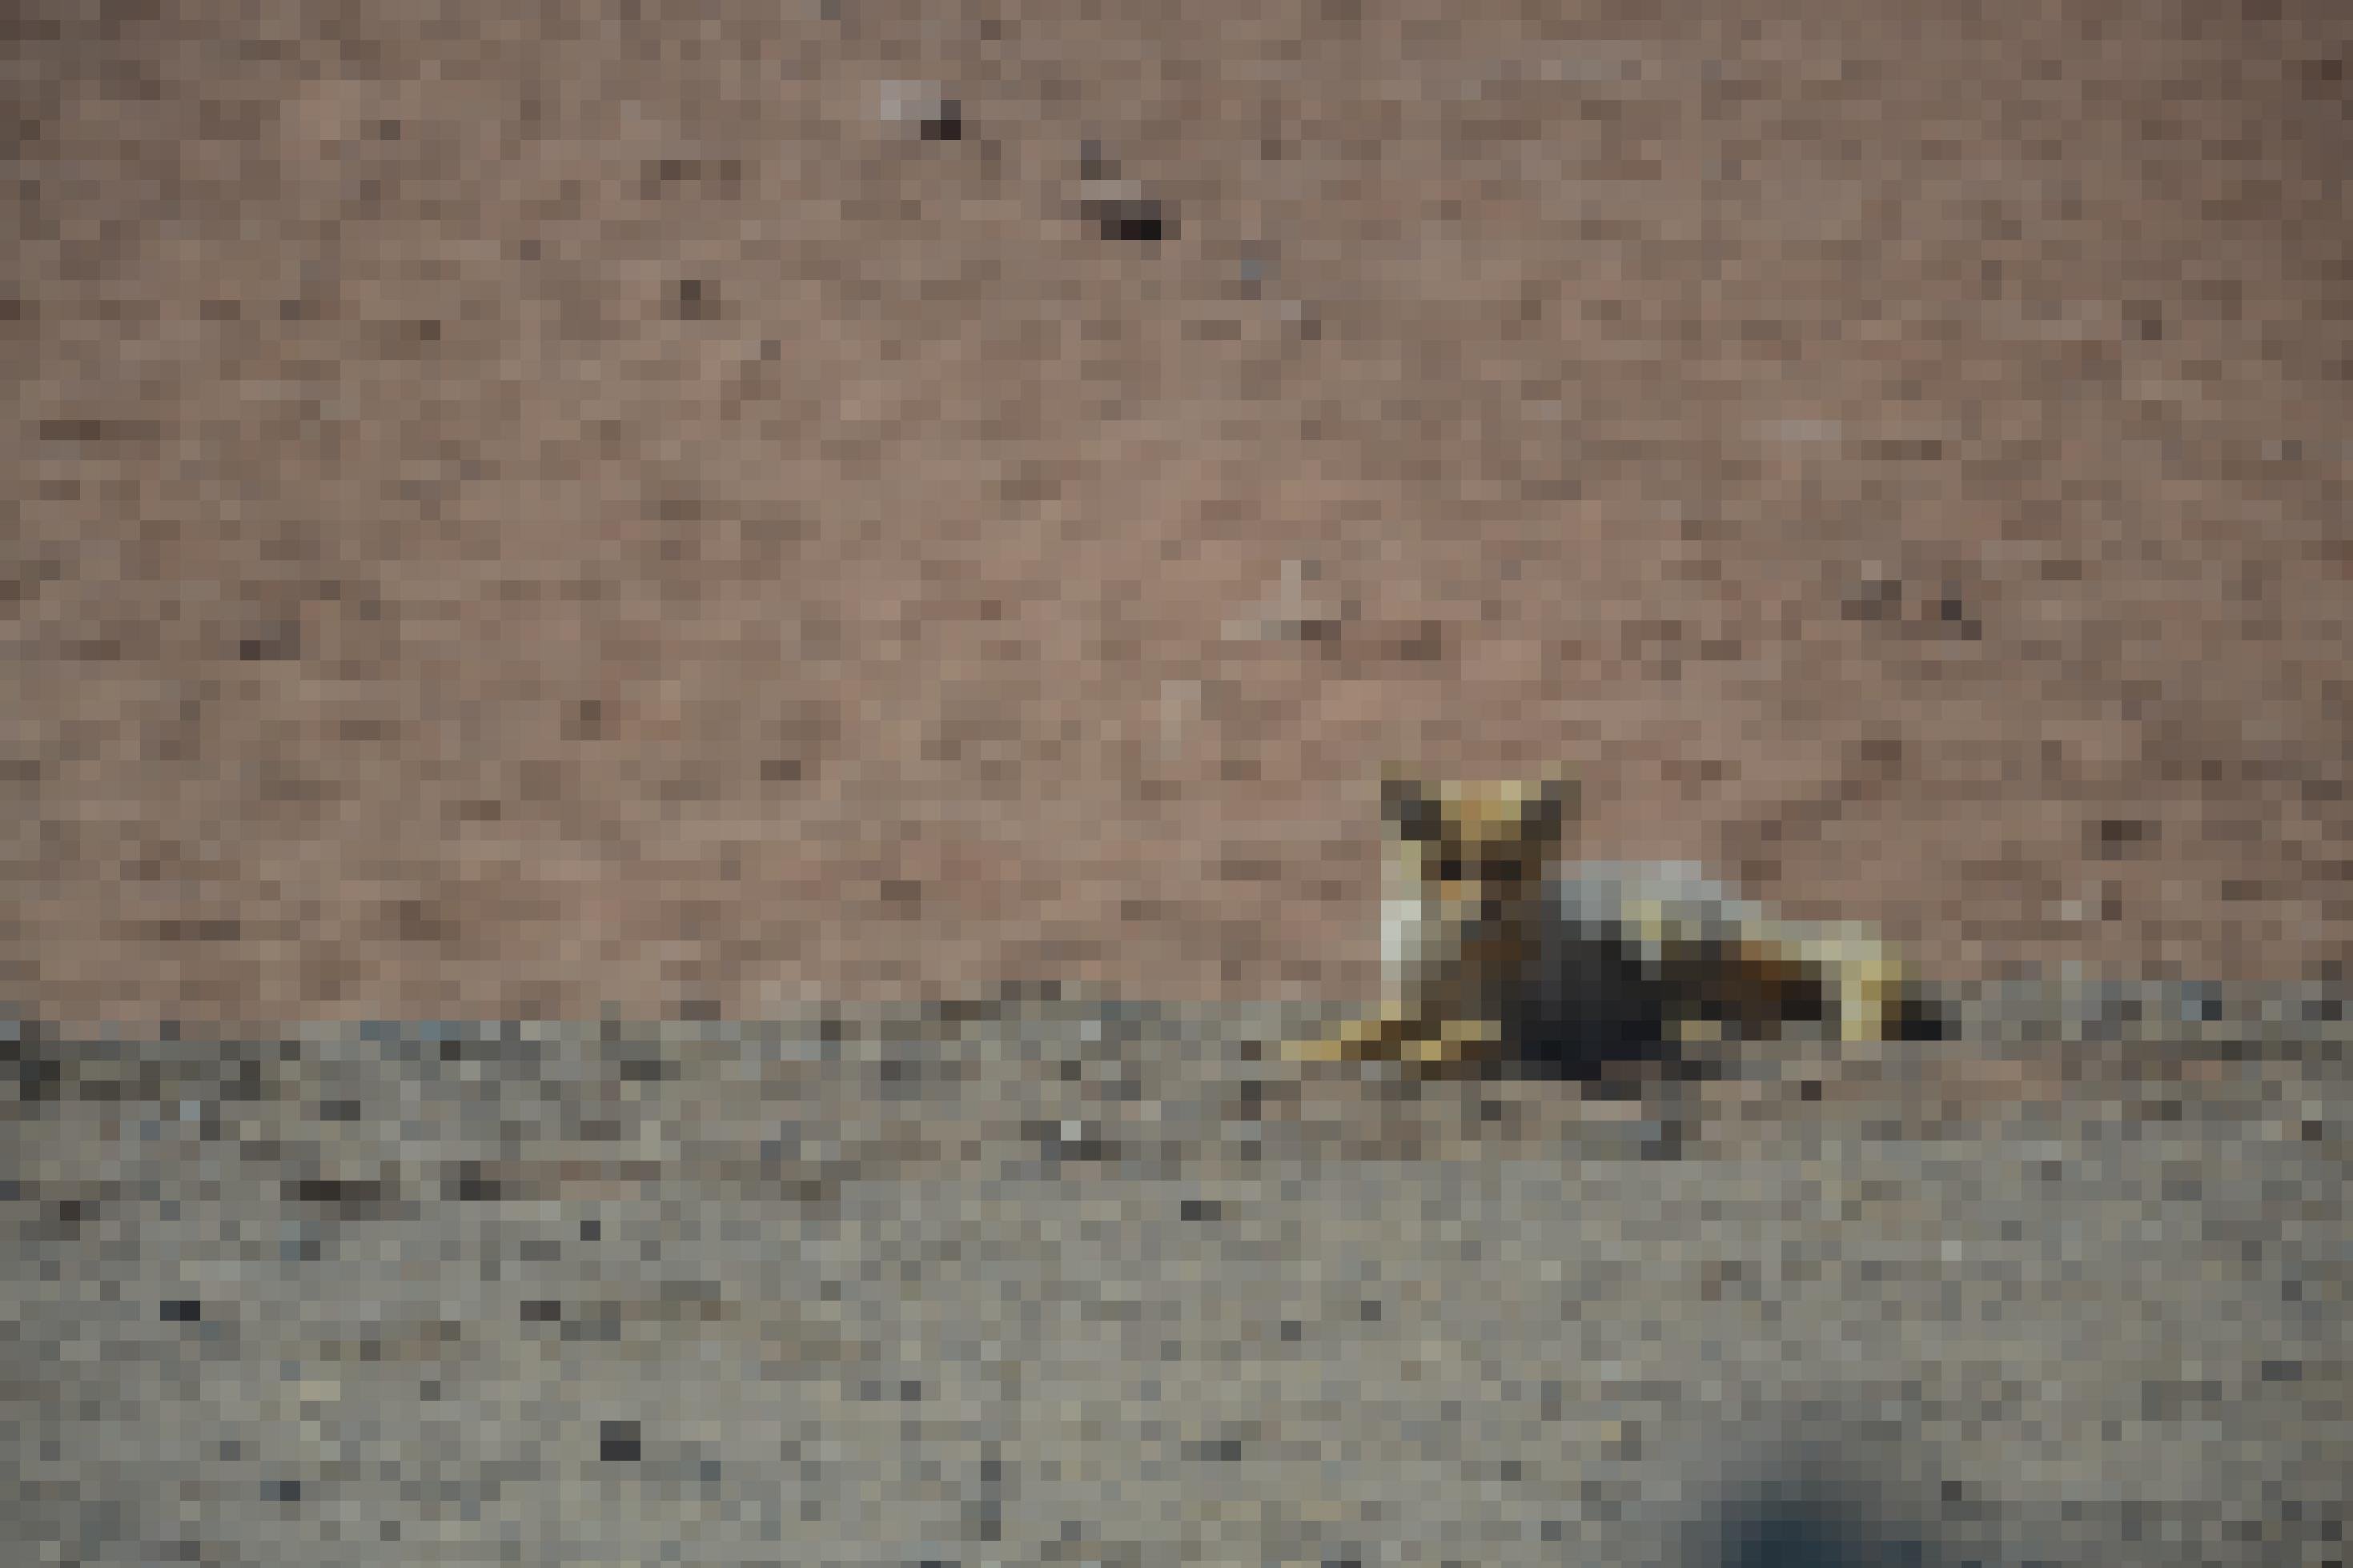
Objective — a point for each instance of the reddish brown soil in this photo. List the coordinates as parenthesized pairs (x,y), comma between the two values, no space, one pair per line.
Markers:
(506,521)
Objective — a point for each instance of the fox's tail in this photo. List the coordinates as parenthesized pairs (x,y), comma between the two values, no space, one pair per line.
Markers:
(1865,988)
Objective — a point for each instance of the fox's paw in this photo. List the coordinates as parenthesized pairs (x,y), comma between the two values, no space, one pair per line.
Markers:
(1453,1044)
(1394,1036)
(1870,983)
(1318,1049)
(1354,1041)
(1467,1047)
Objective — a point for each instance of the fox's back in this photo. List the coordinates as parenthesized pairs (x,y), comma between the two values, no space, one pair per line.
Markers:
(1655,904)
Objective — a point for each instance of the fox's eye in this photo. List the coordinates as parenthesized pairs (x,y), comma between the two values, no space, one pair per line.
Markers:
(1450,868)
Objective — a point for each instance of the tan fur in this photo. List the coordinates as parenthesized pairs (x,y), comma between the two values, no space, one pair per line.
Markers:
(1468,881)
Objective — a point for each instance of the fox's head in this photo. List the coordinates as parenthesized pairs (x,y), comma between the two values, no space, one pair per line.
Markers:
(1464,875)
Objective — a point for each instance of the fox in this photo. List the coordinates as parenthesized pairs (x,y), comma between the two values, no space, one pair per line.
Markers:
(1494,950)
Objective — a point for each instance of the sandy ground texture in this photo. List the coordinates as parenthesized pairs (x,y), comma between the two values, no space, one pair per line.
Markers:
(1069,1281)
(700,507)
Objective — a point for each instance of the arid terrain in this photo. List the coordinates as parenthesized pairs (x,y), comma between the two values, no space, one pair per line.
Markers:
(699,508)
(1084,1282)
(651,511)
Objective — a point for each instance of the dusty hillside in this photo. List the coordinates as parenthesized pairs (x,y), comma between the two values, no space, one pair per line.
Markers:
(695,507)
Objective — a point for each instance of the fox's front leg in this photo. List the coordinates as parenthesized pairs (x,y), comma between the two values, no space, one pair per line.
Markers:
(1360,1039)
(1403,1034)
(1453,1042)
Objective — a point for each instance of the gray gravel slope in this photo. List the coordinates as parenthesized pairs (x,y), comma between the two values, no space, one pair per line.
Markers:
(1082,1282)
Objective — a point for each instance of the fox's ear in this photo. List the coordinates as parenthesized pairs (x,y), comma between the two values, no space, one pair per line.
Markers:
(1408,805)
(1548,808)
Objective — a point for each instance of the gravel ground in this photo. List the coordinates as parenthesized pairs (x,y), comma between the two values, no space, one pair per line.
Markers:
(1068,1281)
